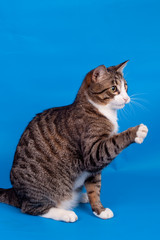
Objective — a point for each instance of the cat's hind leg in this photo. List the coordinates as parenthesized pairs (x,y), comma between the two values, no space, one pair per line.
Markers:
(48,211)
(93,187)
(61,215)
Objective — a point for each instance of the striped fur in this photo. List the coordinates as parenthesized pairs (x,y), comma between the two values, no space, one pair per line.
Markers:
(60,144)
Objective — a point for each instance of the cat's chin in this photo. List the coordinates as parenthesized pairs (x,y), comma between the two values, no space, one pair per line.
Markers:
(118,106)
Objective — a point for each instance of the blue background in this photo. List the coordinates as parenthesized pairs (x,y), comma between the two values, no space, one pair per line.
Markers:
(46,48)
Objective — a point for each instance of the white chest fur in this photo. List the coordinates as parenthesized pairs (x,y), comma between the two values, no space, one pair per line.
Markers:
(109,113)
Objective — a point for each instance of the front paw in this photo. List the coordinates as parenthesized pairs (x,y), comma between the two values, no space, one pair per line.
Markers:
(105,214)
(141,133)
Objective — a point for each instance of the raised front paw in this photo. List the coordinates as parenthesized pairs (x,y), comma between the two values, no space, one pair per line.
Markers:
(141,133)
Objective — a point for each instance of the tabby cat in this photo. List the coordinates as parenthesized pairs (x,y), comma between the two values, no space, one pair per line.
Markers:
(67,147)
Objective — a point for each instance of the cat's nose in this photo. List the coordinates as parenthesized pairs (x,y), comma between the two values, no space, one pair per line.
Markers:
(127,99)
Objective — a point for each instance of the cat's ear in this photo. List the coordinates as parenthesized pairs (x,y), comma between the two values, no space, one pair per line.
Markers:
(119,68)
(99,73)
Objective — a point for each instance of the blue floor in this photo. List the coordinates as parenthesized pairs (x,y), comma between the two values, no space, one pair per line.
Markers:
(47,47)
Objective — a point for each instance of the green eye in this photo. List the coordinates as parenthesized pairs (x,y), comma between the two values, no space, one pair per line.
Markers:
(114,89)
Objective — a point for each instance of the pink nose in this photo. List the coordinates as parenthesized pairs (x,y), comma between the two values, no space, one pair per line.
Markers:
(126,99)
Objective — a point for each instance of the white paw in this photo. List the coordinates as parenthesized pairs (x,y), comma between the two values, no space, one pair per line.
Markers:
(60,215)
(84,198)
(107,213)
(141,133)
(69,216)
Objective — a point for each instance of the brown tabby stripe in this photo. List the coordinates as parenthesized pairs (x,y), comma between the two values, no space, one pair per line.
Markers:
(102,91)
(103,152)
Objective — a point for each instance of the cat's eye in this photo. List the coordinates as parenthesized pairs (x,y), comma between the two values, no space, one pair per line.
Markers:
(114,89)
(126,87)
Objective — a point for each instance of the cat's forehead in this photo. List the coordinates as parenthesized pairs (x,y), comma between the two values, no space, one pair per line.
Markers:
(114,78)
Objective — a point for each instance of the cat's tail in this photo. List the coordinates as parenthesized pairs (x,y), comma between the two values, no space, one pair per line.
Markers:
(9,196)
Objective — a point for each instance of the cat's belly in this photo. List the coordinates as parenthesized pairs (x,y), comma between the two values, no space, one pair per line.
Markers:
(81,179)
(72,202)
(76,195)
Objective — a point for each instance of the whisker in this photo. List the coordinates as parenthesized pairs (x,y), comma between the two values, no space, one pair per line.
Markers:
(140,105)
(131,107)
(138,94)
(140,99)
(121,112)
(124,112)
(137,101)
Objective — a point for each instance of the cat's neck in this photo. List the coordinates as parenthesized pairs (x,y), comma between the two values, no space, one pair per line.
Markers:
(108,112)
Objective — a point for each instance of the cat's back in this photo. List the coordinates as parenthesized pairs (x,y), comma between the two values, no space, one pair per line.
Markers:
(55,135)
(51,135)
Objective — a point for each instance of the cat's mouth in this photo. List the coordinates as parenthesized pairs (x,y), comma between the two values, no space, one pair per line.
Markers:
(118,106)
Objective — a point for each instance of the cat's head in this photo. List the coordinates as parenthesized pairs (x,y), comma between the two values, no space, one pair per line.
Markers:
(108,86)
